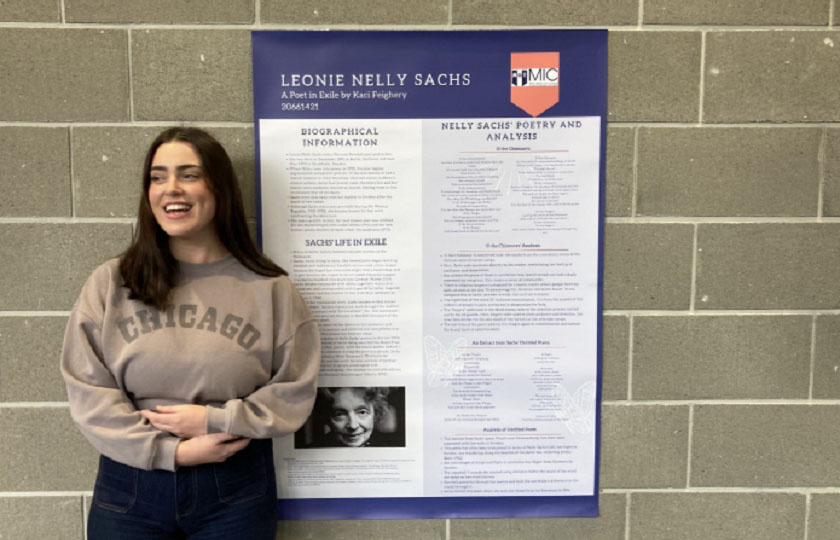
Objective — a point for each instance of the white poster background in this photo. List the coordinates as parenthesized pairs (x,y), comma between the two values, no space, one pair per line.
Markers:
(458,259)
(510,215)
(345,223)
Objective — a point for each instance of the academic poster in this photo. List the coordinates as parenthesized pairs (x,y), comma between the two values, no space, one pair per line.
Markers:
(437,198)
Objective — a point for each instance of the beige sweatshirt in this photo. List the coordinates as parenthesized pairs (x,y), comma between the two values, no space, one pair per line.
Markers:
(242,344)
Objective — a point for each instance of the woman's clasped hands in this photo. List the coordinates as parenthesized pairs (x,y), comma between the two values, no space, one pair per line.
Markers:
(185,421)
(190,423)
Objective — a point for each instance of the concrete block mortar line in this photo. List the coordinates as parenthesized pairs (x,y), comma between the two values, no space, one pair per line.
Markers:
(305,26)
(641,19)
(663,27)
(439,26)
(62,12)
(258,13)
(72,175)
(686,402)
(447,533)
(130,78)
(693,284)
(223,123)
(84,517)
(694,220)
(688,444)
(695,125)
(354,26)
(635,27)
(733,28)
(702,76)
(30,494)
(128,25)
(34,313)
(813,356)
(821,172)
(720,312)
(449,23)
(628,501)
(792,490)
(136,123)
(65,220)
(635,175)
(630,358)
(35,405)
(807,514)
(831,7)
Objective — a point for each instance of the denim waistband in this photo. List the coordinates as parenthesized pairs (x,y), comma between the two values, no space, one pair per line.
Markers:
(190,497)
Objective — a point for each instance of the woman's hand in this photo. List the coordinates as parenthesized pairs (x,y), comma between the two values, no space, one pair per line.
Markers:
(212,448)
(185,421)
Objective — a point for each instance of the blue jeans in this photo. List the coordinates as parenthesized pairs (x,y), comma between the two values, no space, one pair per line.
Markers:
(220,501)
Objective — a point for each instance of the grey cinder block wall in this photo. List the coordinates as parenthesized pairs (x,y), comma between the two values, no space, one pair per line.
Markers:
(722,297)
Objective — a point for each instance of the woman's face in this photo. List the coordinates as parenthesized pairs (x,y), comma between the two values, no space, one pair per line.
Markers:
(179,196)
(351,418)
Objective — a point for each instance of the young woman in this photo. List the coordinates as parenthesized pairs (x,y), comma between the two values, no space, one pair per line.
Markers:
(183,358)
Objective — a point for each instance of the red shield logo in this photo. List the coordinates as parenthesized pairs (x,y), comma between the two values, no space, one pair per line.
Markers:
(534,81)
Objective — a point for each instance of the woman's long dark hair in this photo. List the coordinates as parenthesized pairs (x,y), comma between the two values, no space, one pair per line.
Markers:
(148,268)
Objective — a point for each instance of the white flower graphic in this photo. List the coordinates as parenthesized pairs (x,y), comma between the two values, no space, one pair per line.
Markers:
(577,411)
(442,363)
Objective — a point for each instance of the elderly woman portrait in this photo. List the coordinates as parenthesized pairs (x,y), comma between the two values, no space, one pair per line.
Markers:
(355,417)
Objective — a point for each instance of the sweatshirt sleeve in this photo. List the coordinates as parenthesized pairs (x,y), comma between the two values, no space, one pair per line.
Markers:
(285,402)
(100,408)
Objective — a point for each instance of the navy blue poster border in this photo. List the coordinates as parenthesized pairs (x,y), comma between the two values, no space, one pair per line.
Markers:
(485,55)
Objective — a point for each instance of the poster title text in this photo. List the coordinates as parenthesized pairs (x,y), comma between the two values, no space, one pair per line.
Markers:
(373,79)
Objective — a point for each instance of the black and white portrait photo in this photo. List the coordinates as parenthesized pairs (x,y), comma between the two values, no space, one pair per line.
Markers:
(355,417)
